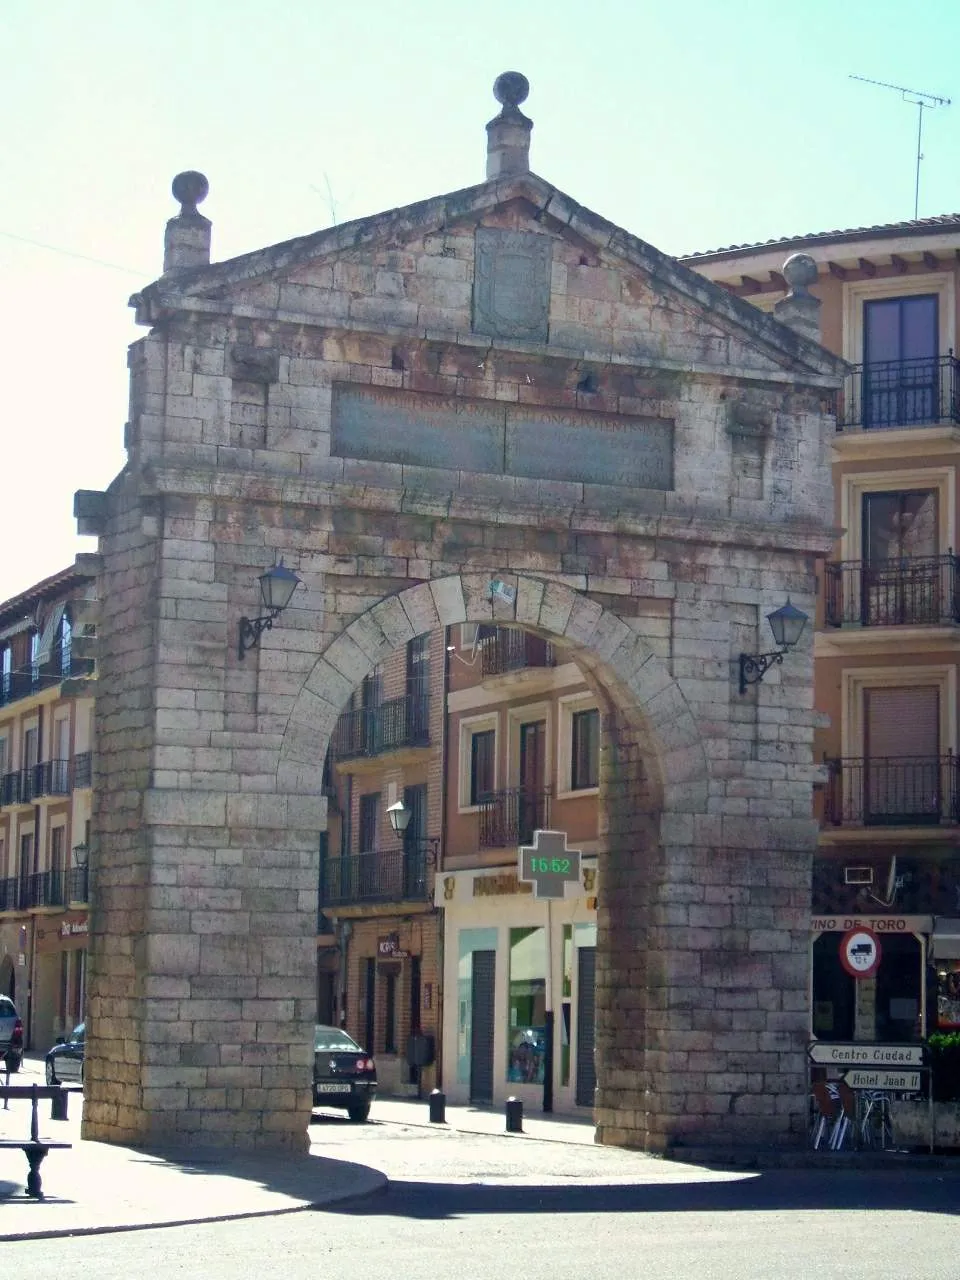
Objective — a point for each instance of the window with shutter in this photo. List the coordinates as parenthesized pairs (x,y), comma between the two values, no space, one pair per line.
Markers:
(902,755)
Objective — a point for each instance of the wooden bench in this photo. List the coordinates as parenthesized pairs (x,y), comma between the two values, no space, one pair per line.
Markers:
(33,1147)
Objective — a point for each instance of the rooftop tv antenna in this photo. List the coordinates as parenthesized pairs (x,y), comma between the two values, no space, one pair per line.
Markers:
(921,101)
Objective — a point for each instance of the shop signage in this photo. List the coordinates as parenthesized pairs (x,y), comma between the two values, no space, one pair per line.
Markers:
(860,952)
(878,924)
(70,928)
(903,1081)
(549,863)
(865,1055)
(388,948)
(499,885)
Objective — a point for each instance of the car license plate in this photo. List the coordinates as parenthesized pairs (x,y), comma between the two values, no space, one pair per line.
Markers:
(333,1088)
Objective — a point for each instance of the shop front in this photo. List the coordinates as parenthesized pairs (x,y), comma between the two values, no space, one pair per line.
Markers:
(59,976)
(510,960)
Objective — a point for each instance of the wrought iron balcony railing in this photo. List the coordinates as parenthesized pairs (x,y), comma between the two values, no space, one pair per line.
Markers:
(912,591)
(900,393)
(44,889)
(10,788)
(83,769)
(383,875)
(28,680)
(78,884)
(51,778)
(893,792)
(509,818)
(370,731)
(511,650)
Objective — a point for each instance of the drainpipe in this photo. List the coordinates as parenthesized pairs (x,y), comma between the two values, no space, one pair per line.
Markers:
(344,930)
(441,913)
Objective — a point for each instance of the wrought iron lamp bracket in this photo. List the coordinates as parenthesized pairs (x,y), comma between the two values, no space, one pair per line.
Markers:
(251,629)
(754,666)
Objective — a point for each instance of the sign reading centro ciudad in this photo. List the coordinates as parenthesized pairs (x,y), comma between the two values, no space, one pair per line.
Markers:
(829,1054)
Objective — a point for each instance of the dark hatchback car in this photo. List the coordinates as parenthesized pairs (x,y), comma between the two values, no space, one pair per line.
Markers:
(344,1076)
(64,1062)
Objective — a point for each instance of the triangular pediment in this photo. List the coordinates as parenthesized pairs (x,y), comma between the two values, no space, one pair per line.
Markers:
(569,282)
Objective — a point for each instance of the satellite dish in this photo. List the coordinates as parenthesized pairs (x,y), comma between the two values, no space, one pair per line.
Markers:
(892,879)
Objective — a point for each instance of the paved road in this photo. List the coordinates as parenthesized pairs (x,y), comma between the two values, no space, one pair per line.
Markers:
(476,1207)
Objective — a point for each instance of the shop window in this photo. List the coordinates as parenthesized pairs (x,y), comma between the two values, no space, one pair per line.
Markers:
(585,750)
(886,1008)
(527,1003)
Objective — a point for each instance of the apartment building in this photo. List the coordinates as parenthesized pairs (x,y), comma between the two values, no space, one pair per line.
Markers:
(888,621)
(379,945)
(45,778)
(523,738)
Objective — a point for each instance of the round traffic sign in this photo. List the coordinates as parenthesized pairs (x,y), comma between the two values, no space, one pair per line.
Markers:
(860,952)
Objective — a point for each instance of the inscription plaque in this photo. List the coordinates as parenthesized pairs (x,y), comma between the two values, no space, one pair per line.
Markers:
(511,291)
(501,439)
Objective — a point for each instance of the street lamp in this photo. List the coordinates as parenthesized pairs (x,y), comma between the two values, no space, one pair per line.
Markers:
(277,586)
(81,852)
(787,625)
(399,816)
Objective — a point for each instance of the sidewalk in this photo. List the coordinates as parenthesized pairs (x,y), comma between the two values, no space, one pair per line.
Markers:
(414,1112)
(96,1187)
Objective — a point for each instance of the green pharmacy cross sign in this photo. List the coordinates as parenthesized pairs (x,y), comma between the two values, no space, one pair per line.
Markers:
(549,863)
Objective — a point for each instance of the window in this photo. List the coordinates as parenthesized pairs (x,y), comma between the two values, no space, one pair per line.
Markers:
(369,818)
(527,1003)
(418,690)
(4,763)
(898,524)
(901,772)
(901,369)
(585,750)
(579,744)
(482,772)
(65,644)
(6,669)
(57,845)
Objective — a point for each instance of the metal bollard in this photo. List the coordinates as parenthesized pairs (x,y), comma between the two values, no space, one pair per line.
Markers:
(514,1115)
(438,1107)
(58,1105)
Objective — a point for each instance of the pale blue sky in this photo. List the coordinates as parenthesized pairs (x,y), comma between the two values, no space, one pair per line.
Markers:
(693,123)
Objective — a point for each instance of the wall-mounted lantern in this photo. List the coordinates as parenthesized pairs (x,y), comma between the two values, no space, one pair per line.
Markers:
(277,586)
(787,625)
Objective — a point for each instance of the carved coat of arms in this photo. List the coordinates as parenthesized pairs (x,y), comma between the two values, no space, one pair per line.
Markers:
(511,292)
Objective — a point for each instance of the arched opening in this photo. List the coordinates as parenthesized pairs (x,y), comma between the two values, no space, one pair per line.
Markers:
(648,735)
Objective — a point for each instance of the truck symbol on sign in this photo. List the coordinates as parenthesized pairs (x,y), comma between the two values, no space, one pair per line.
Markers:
(862,949)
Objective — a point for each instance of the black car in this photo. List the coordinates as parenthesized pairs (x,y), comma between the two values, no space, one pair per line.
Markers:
(343,1074)
(64,1062)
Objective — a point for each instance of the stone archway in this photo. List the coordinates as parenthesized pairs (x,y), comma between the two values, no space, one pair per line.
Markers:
(495,380)
(654,784)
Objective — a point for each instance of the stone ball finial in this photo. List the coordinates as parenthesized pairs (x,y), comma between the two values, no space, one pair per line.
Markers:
(511,88)
(800,271)
(191,189)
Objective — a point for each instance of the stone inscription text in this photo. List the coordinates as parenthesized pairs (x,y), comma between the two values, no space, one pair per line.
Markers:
(482,436)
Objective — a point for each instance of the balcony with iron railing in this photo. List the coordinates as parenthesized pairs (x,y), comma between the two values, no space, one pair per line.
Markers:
(893,792)
(25,786)
(510,650)
(382,875)
(42,889)
(509,818)
(389,726)
(27,681)
(83,769)
(900,393)
(912,591)
(78,884)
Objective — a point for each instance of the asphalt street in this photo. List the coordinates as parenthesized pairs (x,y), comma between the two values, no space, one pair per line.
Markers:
(474,1206)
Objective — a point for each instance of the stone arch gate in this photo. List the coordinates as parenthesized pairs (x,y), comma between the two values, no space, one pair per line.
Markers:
(493,382)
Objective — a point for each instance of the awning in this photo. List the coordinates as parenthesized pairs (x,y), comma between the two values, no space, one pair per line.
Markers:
(51,629)
(945,939)
(15,628)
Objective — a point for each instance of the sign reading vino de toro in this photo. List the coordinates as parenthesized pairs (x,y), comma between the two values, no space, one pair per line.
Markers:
(549,863)
(860,952)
